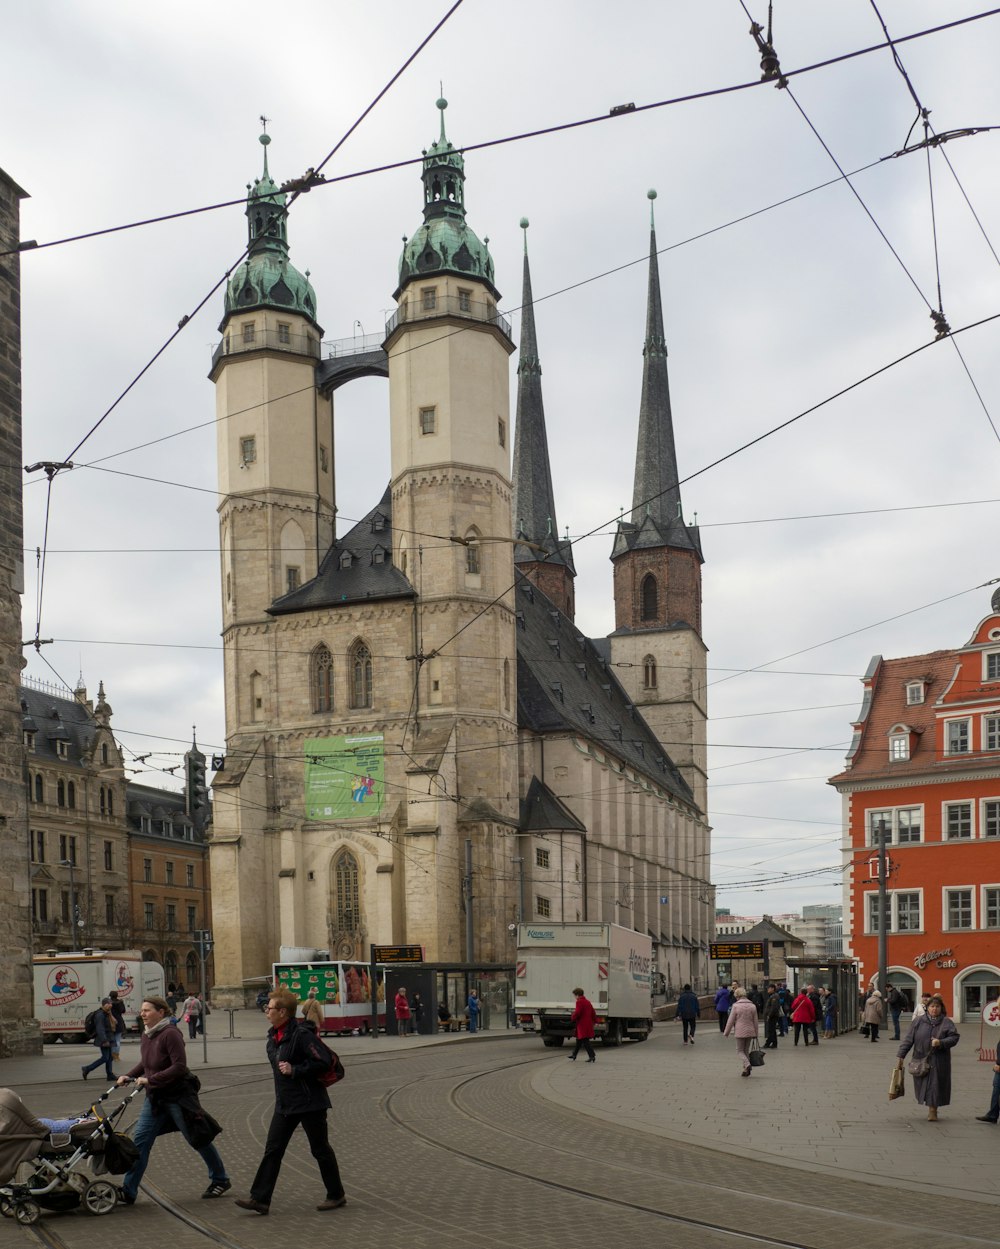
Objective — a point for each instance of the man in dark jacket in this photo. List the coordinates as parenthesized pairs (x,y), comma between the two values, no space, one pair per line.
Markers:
(772,1016)
(814,997)
(298,1060)
(105,1028)
(688,1010)
(723,1001)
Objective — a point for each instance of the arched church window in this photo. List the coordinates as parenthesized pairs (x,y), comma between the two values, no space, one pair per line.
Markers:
(649,673)
(649,598)
(359,663)
(346,897)
(473,563)
(191,968)
(321,679)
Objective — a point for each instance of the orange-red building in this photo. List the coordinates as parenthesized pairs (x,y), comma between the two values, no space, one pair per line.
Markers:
(925,763)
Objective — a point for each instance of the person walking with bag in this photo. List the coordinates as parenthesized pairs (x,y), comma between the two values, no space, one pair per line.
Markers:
(743,1021)
(162,1071)
(105,1031)
(299,1061)
(931,1038)
(192,1015)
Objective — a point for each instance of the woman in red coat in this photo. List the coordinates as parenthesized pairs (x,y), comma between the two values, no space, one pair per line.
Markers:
(584,1017)
(803,1012)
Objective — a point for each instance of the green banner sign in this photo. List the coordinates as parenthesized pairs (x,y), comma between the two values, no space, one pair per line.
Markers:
(345,777)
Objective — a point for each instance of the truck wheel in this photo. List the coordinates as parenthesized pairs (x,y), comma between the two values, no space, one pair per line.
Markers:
(553,1042)
(640,1036)
(613,1036)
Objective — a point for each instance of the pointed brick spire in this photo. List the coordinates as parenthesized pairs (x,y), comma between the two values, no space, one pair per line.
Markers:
(534,500)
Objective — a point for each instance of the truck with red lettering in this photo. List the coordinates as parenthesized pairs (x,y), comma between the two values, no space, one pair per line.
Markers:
(612,965)
(68,986)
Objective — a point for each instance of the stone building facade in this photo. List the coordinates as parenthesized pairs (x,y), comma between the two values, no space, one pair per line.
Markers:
(19,1033)
(421,744)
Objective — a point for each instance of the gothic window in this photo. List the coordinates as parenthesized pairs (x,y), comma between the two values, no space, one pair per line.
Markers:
(39,790)
(649,673)
(472,553)
(321,679)
(506,685)
(170,966)
(71,795)
(256,697)
(346,901)
(359,664)
(61,793)
(104,800)
(649,597)
(104,752)
(111,801)
(191,969)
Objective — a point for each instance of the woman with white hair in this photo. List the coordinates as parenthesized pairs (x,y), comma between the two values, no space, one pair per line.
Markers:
(743,1022)
(874,1015)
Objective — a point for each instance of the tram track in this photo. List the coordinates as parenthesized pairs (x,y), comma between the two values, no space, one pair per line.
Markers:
(577,1170)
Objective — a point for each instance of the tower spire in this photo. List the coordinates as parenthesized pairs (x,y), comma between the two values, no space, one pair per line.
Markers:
(540,554)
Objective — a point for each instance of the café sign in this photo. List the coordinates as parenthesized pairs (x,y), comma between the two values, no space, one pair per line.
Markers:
(940,958)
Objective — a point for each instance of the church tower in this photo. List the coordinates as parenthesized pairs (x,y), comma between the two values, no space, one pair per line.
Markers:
(539,553)
(657,644)
(274,440)
(449,398)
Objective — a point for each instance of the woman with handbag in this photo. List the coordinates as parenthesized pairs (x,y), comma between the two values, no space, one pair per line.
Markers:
(743,1021)
(930,1040)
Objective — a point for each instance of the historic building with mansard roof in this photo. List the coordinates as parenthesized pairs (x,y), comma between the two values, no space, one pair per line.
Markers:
(416,689)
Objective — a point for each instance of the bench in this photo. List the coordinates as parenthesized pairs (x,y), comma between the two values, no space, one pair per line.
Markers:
(454,1024)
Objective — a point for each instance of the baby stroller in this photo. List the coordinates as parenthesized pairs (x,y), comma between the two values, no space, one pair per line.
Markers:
(68,1169)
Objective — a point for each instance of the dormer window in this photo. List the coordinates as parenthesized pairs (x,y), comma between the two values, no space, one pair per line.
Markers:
(378,555)
(62,749)
(914,693)
(899,747)
(28,738)
(346,559)
(378,522)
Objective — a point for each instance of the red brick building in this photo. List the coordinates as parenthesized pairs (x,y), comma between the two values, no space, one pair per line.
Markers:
(925,763)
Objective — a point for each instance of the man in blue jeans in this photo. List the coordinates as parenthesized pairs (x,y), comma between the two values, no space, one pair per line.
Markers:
(993,1114)
(162,1071)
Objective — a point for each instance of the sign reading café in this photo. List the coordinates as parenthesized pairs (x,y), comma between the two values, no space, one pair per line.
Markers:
(940,958)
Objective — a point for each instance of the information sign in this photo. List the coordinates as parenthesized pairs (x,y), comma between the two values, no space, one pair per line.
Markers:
(736,949)
(397,954)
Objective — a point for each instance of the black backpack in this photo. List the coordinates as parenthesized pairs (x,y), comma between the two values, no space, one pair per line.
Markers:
(90,1024)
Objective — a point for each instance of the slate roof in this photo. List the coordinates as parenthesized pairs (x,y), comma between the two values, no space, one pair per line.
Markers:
(657,518)
(767,930)
(357,568)
(564,684)
(158,804)
(55,718)
(884,707)
(534,501)
(542,811)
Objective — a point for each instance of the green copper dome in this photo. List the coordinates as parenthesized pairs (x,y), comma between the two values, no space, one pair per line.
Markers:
(445,243)
(266,279)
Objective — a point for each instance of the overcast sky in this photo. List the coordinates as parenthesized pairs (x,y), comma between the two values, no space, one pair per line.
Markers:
(820,547)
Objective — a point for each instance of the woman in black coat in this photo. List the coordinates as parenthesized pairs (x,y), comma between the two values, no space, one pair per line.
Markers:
(931,1039)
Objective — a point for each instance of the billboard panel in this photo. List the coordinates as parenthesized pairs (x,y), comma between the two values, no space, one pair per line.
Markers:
(345,777)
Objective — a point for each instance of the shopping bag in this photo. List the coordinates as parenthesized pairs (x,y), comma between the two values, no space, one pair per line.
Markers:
(897,1084)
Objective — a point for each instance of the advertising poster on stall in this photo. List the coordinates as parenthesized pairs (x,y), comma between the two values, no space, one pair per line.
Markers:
(345,777)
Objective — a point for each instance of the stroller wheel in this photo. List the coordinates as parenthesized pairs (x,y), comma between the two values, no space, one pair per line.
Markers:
(6,1207)
(99,1197)
(26,1212)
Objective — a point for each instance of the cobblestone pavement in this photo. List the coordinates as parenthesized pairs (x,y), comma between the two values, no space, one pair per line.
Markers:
(485,1141)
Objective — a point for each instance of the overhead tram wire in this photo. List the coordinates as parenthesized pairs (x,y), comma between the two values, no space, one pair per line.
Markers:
(540,132)
(773,73)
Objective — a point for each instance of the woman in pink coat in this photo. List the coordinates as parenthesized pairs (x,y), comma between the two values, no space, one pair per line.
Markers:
(743,1021)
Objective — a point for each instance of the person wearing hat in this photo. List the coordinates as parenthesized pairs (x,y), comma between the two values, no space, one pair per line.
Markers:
(105,1028)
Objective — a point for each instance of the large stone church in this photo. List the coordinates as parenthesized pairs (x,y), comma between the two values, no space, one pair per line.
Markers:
(422,746)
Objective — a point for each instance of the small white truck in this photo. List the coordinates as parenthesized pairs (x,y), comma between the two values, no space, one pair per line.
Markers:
(612,965)
(68,986)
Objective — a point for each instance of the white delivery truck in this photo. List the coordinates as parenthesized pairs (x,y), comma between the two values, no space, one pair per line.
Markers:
(612,965)
(68,986)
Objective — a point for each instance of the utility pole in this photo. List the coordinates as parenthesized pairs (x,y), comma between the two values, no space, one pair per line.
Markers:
(467,882)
